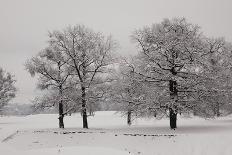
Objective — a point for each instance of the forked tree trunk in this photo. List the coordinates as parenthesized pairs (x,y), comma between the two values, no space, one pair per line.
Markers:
(129,117)
(172,109)
(84,112)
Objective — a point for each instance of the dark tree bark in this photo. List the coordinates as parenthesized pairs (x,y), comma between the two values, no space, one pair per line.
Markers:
(84,112)
(61,115)
(217,109)
(129,117)
(173,118)
(172,109)
(61,106)
(155,113)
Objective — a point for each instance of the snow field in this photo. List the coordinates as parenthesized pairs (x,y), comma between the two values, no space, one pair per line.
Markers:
(109,135)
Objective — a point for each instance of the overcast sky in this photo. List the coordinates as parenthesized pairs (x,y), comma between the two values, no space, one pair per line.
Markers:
(24,25)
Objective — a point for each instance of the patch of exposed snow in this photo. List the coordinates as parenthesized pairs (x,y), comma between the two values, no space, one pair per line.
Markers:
(82,150)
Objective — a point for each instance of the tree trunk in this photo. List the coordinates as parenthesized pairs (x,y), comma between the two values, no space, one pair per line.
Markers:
(61,115)
(172,109)
(129,117)
(154,113)
(173,118)
(61,108)
(194,111)
(217,109)
(84,113)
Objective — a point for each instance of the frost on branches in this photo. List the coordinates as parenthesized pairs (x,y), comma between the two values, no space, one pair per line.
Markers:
(216,65)
(75,63)
(177,59)
(51,66)
(7,88)
(89,54)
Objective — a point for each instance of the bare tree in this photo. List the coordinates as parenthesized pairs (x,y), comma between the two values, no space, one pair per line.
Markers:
(7,88)
(51,66)
(89,55)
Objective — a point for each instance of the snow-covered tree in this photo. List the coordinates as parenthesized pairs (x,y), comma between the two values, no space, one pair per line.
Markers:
(51,66)
(7,88)
(89,54)
(192,71)
(169,54)
(126,90)
(216,64)
(49,101)
(136,95)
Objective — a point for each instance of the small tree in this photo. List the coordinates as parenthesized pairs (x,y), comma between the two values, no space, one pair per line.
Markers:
(7,88)
(51,66)
(88,54)
(133,95)
(126,90)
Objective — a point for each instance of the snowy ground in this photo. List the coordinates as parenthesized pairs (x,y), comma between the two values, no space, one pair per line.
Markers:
(109,135)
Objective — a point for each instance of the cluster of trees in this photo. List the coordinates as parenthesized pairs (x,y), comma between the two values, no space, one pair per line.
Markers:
(177,70)
(74,69)
(7,88)
(17,109)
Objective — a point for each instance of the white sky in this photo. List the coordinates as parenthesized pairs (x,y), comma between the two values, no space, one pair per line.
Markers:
(24,25)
